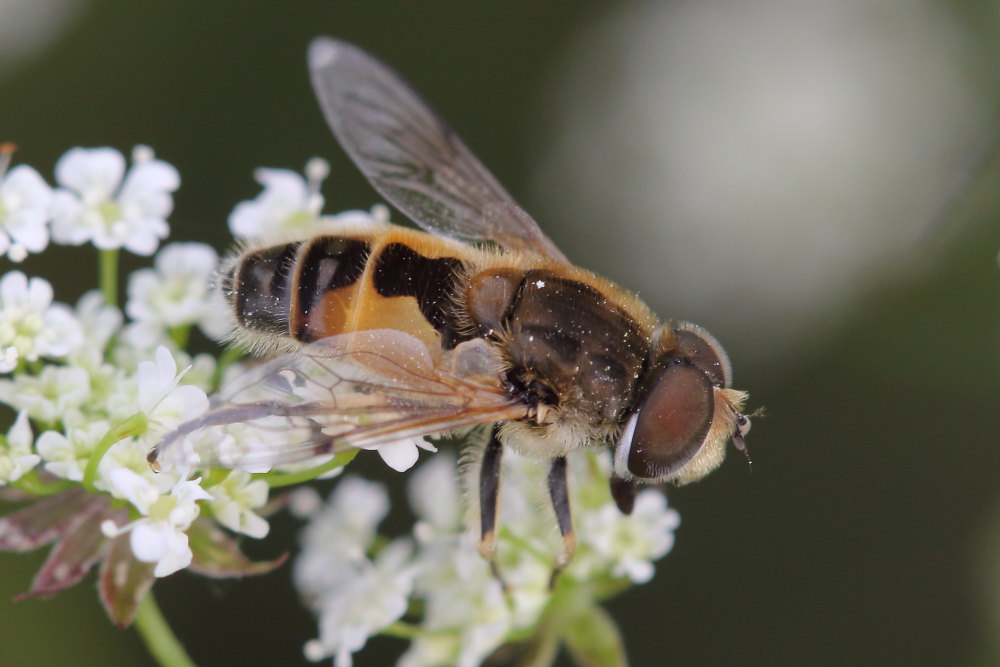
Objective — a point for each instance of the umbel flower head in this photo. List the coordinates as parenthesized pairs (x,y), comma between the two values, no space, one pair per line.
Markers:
(31,326)
(100,202)
(361,584)
(94,387)
(91,399)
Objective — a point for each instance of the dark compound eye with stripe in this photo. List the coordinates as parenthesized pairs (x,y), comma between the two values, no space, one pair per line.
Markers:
(676,405)
(705,352)
(671,424)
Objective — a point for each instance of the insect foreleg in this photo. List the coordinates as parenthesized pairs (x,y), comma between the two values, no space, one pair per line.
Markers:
(559,493)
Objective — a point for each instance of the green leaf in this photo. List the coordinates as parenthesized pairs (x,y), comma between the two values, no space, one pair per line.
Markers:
(541,652)
(593,639)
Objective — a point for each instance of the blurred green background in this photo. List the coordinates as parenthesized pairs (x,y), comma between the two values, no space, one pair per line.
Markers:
(769,171)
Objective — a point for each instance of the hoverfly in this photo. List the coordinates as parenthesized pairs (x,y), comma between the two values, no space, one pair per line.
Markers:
(394,334)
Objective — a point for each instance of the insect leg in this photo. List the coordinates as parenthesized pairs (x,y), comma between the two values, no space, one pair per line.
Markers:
(559,493)
(489,492)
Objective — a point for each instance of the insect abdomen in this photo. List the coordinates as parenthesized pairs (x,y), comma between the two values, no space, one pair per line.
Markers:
(330,285)
(259,289)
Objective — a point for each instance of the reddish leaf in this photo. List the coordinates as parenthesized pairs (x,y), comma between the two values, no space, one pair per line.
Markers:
(12,495)
(73,555)
(218,555)
(43,521)
(124,581)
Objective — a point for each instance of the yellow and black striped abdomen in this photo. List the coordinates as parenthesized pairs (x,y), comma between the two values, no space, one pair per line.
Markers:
(328,285)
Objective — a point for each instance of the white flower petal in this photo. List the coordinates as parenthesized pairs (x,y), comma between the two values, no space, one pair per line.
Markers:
(156,378)
(93,173)
(53,445)
(286,202)
(156,542)
(19,436)
(133,487)
(98,320)
(68,226)
(187,259)
(181,404)
(400,456)
(24,187)
(13,287)
(143,236)
(27,228)
(39,293)
(152,178)
(190,491)
(62,333)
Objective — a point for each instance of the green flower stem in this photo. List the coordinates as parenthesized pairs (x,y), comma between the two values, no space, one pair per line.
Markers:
(546,635)
(564,597)
(134,425)
(522,544)
(214,476)
(275,480)
(402,630)
(607,588)
(180,336)
(160,640)
(109,276)
(31,483)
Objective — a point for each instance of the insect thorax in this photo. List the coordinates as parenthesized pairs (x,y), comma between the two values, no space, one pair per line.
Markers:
(567,344)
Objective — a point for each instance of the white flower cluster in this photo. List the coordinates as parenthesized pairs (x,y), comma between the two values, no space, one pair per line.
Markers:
(174,294)
(75,390)
(360,584)
(96,201)
(101,391)
(77,373)
(290,205)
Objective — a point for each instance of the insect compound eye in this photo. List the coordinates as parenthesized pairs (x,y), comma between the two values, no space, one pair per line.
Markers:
(671,424)
(705,352)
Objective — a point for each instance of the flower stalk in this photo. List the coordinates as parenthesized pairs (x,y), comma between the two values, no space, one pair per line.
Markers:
(160,640)
(32,484)
(109,276)
(278,480)
(132,426)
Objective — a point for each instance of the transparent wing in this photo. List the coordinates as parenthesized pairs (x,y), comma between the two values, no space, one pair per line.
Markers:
(358,390)
(411,156)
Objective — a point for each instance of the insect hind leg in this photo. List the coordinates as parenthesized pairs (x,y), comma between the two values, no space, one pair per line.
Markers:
(489,494)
